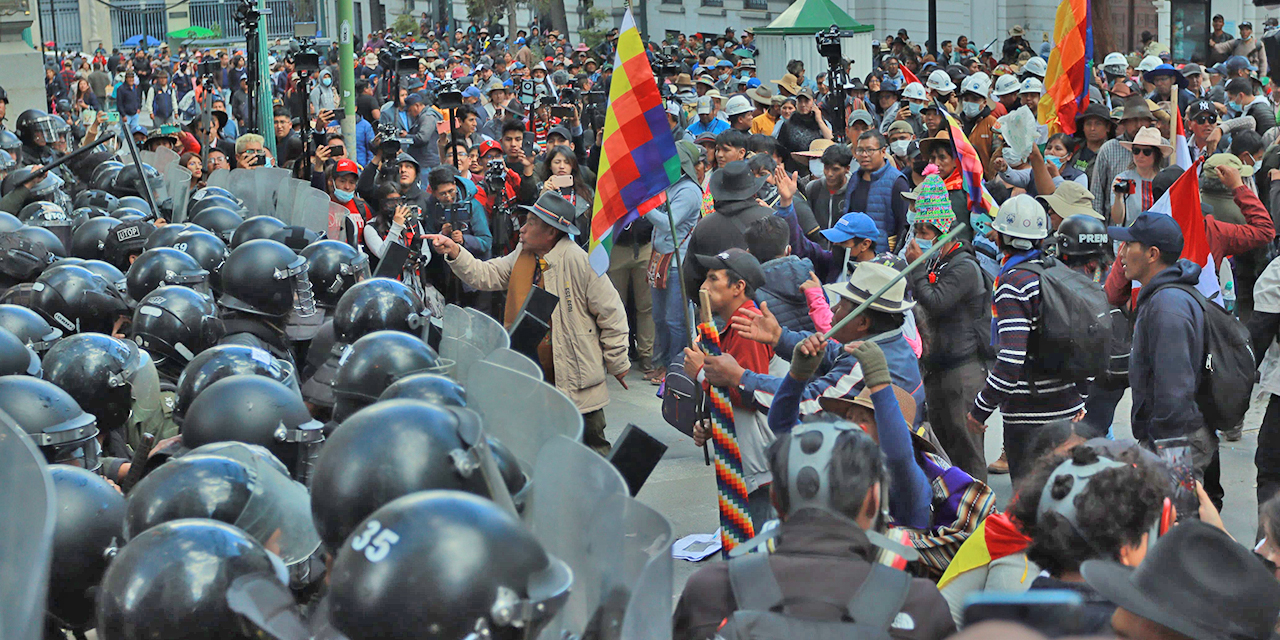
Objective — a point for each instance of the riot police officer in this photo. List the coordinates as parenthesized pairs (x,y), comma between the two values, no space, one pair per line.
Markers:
(90,519)
(267,298)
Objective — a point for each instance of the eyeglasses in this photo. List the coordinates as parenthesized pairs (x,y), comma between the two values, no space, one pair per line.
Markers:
(1205,119)
(865,151)
(1145,151)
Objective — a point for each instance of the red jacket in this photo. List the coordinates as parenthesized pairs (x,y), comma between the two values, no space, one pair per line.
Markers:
(1225,240)
(752,355)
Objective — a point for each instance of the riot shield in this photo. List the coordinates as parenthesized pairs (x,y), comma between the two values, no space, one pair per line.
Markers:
(630,544)
(219,178)
(161,158)
(515,360)
(570,486)
(523,413)
(469,336)
(300,204)
(257,188)
(26,534)
(177,183)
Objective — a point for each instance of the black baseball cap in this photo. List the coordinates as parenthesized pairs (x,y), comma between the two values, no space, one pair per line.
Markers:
(1153,230)
(740,262)
(1200,107)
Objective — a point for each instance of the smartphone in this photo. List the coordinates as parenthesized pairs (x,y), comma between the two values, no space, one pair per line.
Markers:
(88,116)
(113,116)
(1053,612)
(339,113)
(1176,454)
(562,182)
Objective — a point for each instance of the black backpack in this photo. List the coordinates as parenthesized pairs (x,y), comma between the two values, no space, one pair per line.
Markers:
(1117,374)
(762,607)
(681,398)
(1230,369)
(1071,338)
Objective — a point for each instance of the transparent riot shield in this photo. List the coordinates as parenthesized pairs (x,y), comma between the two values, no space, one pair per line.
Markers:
(337,217)
(161,158)
(512,359)
(177,183)
(219,178)
(570,486)
(468,336)
(26,534)
(523,413)
(300,204)
(257,188)
(630,545)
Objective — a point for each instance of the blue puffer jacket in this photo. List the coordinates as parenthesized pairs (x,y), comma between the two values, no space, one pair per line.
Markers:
(1168,347)
(783,277)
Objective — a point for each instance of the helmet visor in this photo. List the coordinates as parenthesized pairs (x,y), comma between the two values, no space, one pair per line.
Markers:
(278,513)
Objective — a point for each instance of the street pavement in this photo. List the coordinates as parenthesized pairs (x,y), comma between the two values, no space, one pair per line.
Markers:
(683,488)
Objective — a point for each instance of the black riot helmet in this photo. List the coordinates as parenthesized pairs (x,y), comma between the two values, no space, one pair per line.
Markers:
(165,236)
(376,304)
(90,519)
(505,586)
(207,249)
(1082,236)
(57,425)
(333,267)
(77,300)
(132,202)
(95,198)
(81,215)
(231,482)
(108,271)
(217,200)
(205,193)
(16,358)
(29,326)
(172,581)
(164,266)
(175,324)
(43,214)
(256,410)
(296,237)
(32,122)
(105,175)
(375,361)
(7,161)
(90,239)
(15,178)
(126,183)
(45,237)
(127,214)
(390,450)
(265,278)
(9,222)
(219,220)
(255,228)
(223,361)
(125,241)
(431,387)
(98,371)
(22,258)
(10,142)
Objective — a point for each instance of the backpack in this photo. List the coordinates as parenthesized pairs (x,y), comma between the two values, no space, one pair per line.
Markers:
(1230,369)
(1116,376)
(982,324)
(1071,338)
(681,398)
(762,607)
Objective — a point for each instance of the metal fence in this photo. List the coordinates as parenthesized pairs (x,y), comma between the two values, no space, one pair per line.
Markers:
(220,17)
(60,23)
(139,18)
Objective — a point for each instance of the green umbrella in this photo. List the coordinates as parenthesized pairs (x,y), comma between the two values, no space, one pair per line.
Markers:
(191,33)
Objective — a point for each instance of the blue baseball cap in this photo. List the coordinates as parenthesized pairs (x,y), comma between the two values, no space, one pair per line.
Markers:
(472,92)
(852,225)
(753,83)
(412,98)
(1153,230)
(724,63)
(1236,63)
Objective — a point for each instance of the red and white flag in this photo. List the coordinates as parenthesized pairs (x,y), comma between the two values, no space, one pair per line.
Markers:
(1181,152)
(1182,201)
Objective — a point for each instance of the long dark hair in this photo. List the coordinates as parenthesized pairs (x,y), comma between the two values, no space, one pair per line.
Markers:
(580,186)
(381,220)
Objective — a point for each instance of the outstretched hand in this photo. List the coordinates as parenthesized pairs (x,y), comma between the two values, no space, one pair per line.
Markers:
(444,245)
(760,326)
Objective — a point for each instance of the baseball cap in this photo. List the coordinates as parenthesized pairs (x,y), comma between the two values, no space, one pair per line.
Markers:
(560,130)
(1152,229)
(860,115)
(489,145)
(704,105)
(1237,63)
(1199,107)
(346,165)
(852,225)
(901,126)
(412,98)
(739,261)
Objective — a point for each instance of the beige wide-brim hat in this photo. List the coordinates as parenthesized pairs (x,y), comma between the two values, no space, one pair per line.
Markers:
(866,279)
(816,148)
(1148,137)
(788,82)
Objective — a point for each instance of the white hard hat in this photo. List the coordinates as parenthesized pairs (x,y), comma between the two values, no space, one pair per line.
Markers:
(1006,84)
(941,82)
(1115,63)
(915,91)
(1036,66)
(977,83)
(1148,63)
(1031,85)
(738,105)
(1022,217)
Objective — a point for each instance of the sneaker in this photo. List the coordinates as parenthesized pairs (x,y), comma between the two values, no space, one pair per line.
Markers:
(1233,434)
(1000,466)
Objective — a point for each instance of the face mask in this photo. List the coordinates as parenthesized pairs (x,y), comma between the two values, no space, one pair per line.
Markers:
(899,147)
(326,81)
(343,196)
(1057,162)
(1257,166)
(971,109)
(916,108)
(924,244)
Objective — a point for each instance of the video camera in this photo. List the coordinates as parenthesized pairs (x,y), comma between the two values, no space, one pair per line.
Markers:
(667,62)
(527,94)
(568,99)
(207,68)
(829,43)
(398,57)
(391,143)
(448,95)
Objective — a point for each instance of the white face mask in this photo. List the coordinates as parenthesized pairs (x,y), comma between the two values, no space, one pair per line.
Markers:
(899,147)
(971,109)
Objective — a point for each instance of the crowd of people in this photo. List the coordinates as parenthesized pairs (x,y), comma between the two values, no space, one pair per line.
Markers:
(889,263)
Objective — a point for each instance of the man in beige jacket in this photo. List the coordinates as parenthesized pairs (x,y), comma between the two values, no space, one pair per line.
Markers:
(588,333)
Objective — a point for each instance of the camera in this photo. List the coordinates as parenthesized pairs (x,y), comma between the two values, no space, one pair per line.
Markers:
(562,111)
(829,43)
(668,63)
(209,67)
(448,95)
(495,174)
(390,144)
(398,57)
(528,92)
(569,95)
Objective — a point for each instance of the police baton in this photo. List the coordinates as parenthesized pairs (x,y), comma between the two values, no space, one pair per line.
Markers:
(937,245)
(71,156)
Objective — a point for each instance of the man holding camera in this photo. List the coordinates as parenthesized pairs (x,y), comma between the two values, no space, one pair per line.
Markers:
(422,131)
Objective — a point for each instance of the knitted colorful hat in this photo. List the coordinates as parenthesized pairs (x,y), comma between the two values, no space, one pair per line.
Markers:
(933,206)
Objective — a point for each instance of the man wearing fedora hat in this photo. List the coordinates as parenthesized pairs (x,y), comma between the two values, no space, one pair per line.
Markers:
(1113,156)
(838,374)
(588,334)
(733,190)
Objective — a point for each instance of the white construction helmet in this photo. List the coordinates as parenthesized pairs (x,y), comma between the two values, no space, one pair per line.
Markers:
(1006,84)
(1115,64)
(977,83)
(1148,63)
(940,82)
(1023,218)
(1031,85)
(1036,66)
(915,91)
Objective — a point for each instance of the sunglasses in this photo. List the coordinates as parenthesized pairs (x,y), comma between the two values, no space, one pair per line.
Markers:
(1205,119)
(1145,151)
